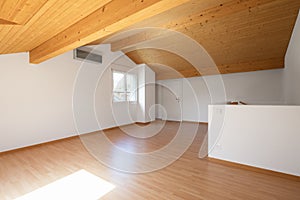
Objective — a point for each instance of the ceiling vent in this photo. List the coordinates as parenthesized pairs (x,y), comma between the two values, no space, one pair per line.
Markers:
(87,55)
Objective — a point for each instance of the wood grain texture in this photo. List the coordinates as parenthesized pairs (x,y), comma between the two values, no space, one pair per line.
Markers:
(168,65)
(19,12)
(52,18)
(187,178)
(173,65)
(240,36)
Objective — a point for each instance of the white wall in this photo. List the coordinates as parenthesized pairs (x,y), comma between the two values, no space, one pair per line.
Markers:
(141,110)
(260,136)
(35,100)
(146,95)
(39,103)
(150,94)
(109,113)
(292,67)
(170,93)
(92,100)
(261,87)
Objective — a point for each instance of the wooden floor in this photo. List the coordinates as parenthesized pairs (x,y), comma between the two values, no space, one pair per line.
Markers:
(189,177)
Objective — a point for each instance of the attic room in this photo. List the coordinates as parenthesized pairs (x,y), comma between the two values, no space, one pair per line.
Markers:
(149,99)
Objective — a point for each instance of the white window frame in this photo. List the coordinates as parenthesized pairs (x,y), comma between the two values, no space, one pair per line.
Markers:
(126,89)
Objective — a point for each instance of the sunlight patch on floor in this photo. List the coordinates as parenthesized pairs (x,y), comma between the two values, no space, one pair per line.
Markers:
(79,185)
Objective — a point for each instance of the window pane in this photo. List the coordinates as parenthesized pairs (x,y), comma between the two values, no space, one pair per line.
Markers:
(131,96)
(119,96)
(119,81)
(131,82)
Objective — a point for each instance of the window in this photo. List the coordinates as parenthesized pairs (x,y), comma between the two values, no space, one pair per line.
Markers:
(124,86)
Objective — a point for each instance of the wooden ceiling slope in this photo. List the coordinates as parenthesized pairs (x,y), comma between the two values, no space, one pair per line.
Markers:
(240,35)
(19,12)
(47,28)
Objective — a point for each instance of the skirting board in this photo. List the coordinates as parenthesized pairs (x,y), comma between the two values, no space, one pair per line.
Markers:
(183,121)
(107,129)
(57,140)
(40,144)
(142,123)
(254,169)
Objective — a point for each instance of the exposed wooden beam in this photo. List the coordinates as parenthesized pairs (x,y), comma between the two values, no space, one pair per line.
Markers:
(111,18)
(131,41)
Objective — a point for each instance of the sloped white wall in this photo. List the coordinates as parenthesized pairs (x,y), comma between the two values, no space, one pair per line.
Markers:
(292,67)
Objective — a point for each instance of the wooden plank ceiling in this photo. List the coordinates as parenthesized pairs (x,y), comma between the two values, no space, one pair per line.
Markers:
(239,35)
(19,12)
(49,28)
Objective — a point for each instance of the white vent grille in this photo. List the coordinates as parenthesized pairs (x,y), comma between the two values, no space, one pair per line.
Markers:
(85,54)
